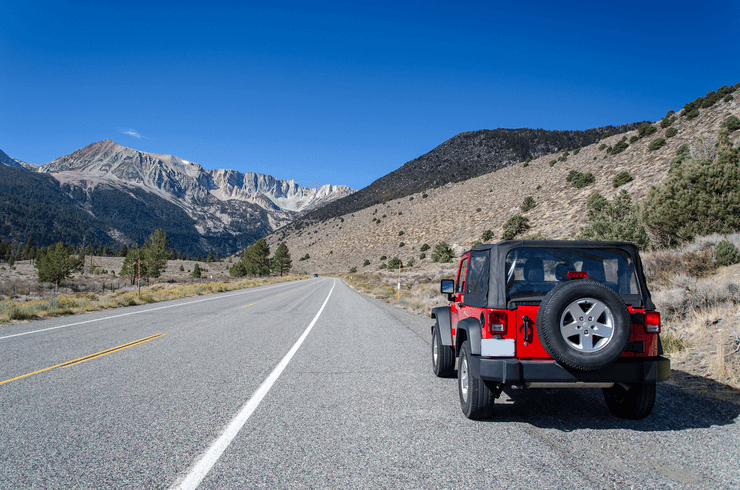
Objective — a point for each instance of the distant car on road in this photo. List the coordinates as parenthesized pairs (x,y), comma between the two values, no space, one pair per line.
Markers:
(315,275)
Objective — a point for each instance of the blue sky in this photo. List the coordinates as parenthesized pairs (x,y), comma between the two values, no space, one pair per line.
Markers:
(336,92)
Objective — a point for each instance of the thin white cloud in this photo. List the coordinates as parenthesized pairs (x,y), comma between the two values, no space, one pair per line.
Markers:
(131,132)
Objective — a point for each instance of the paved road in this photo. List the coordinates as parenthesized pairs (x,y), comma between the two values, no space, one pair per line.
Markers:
(354,405)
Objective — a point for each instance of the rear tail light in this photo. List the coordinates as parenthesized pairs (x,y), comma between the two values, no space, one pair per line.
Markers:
(577,274)
(652,322)
(497,322)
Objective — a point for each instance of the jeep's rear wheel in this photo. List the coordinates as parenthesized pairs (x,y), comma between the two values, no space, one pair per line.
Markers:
(583,324)
(443,356)
(476,399)
(630,401)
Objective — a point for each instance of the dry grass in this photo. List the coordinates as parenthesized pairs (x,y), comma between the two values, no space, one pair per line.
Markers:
(419,291)
(69,304)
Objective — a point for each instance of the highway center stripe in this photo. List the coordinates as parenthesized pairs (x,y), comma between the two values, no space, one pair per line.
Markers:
(204,464)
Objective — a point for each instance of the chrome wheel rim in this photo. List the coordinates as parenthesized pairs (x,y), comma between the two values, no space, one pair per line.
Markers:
(435,354)
(587,325)
(464,378)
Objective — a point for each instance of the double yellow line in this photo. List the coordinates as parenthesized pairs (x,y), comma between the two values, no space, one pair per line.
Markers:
(90,357)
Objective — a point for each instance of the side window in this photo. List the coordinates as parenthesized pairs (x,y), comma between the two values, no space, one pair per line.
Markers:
(476,289)
(461,276)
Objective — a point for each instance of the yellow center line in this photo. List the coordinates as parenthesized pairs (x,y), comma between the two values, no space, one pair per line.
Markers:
(250,304)
(278,295)
(90,357)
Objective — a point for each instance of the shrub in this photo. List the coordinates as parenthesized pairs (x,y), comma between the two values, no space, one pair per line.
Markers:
(401,244)
(602,146)
(410,263)
(646,129)
(383,266)
(576,151)
(442,253)
(699,197)
(728,98)
(553,162)
(383,257)
(619,147)
(400,233)
(425,194)
(682,153)
(710,99)
(634,139)
(732,123)
(656,144)
(425,247)
(621,178)
(353,270)
(514,226)
(668,120)
(422,256)
(366,263)
(671,132)
(580,180)
(487,235)
(618,220)
(726,253)
(528,203)
(692,114)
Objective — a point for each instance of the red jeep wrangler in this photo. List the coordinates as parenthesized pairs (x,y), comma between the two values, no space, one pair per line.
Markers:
(550,314)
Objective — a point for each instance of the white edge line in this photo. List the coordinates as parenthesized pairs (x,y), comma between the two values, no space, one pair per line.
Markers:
(209,458)
(210,298)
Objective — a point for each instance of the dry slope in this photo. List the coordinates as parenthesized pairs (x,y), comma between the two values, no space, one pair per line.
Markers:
(459,213)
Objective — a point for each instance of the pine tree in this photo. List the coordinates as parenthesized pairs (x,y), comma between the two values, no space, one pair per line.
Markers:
(130,267)
(154,253)
(281,261)
(254,262)
(57,264)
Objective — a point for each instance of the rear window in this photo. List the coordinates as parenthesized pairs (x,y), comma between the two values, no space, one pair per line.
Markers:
(535,271)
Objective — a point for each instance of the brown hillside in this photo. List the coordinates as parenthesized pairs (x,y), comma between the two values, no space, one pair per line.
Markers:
(459,213)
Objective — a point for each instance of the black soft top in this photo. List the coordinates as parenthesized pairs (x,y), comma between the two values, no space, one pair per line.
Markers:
(494,255)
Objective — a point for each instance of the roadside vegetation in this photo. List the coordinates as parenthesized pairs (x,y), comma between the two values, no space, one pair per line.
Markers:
(70,304)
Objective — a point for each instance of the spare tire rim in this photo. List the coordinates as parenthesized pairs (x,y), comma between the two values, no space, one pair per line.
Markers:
(587,325)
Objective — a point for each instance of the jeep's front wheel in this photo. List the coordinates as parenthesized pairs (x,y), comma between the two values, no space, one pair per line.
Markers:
(630,401)
(443,356)
(476,399)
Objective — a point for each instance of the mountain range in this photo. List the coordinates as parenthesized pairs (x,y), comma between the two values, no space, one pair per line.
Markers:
(107,194)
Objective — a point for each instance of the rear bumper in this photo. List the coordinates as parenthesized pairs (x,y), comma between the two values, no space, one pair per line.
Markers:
(515,372)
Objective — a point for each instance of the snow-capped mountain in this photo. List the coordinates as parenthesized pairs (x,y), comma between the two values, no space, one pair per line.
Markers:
(223,210)
(12,162)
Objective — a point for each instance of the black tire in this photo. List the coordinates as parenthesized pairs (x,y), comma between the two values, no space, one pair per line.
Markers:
(575,339)
(443,356)
(633,401)
(476,399)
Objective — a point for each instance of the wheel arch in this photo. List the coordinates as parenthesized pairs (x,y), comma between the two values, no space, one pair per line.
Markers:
(442,315)
(468,329)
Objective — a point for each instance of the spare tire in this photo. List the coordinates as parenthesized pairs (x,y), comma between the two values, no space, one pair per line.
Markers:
(583,324)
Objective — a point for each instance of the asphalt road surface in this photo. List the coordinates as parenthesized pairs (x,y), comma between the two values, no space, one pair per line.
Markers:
(311,385)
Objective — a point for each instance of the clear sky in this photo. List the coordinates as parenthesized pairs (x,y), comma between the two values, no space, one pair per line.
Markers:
(343,92)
